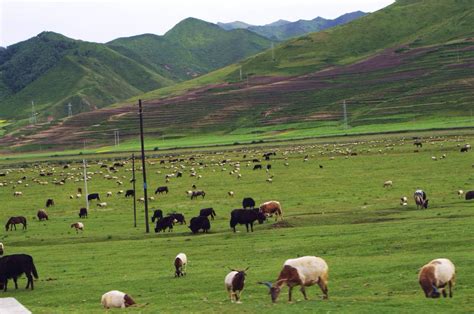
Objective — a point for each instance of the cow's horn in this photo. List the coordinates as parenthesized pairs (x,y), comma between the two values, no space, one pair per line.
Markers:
(266,283)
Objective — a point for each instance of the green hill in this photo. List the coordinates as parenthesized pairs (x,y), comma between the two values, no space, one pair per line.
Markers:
(406,67)
(53,70)
(192,48)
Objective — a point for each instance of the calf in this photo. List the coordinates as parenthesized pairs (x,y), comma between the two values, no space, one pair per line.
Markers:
(162,189)
(157,214)
(163,223)
(469,195)
(195,194)
(42,215)
(178,218)
(13,266)
(257,167)
(248,202)
(83,212)
(245,217)
(93,196)
(49,202)
(206,212)
(129,193)
(198,223)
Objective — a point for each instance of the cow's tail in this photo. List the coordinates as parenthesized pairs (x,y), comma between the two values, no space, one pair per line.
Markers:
(33,270)
(213,212)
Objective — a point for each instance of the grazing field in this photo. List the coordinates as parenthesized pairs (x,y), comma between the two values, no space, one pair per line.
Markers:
(334,206)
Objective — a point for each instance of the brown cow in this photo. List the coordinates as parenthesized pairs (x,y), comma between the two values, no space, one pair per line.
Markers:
(271,207)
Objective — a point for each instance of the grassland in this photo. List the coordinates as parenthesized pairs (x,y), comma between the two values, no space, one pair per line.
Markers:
(374,247)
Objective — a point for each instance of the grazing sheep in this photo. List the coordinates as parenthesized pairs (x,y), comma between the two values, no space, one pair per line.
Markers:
(17,193)
(78,226)
(404,201)
(116,299)
(434,277)
(78,195)
(230,193)
(180,264)
(103,204)
(304,271)
(109,194)
(460,193)
(234,284)
(388,183)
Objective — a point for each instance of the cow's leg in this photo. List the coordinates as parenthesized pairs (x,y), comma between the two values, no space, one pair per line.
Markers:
(15,280)
(5,286)
(247,226)
(323,284)
(289,293)
(251,226)
(303,291)
(450,283)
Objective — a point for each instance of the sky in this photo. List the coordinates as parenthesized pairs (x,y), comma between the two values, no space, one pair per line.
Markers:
(104,20)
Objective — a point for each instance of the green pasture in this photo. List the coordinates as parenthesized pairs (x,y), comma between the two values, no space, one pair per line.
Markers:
(341,212)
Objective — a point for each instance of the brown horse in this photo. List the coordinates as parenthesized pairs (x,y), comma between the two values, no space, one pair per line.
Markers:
(15,220)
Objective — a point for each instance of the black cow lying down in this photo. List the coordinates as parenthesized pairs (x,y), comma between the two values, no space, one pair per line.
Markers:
(13,266)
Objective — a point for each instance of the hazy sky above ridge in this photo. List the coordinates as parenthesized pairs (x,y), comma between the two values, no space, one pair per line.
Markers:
(105,20)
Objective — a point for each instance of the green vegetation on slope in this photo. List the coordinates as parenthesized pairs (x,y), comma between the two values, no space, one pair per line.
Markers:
(191,48)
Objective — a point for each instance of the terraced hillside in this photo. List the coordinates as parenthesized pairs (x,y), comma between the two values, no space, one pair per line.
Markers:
(408,66)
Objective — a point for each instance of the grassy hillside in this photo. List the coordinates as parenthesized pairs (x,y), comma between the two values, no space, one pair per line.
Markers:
(415,23)
(54,70)
(192,48)
(406,67)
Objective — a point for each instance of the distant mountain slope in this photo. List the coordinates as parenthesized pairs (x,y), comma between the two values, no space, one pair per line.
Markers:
(282,30)
(408,66)
(191,48)
(53,70)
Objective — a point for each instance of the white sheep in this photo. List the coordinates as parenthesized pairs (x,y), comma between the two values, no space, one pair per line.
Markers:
(103,204)
(404,201)
(116,299)
(234,284)
(303,271)
(460,193)
(17,193)
(180,262)
(434,276)
(388,183)
(230,193)
(109,194)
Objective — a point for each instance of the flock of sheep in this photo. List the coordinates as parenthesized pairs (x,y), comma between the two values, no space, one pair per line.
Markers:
(434,278)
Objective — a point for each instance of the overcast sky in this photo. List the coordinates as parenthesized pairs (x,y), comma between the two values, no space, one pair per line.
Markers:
(104,20)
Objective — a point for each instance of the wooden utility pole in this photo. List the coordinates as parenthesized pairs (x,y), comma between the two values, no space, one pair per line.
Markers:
(145,195)
(134,193)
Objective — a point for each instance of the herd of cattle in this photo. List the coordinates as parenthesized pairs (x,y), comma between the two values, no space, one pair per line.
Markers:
(304,271)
